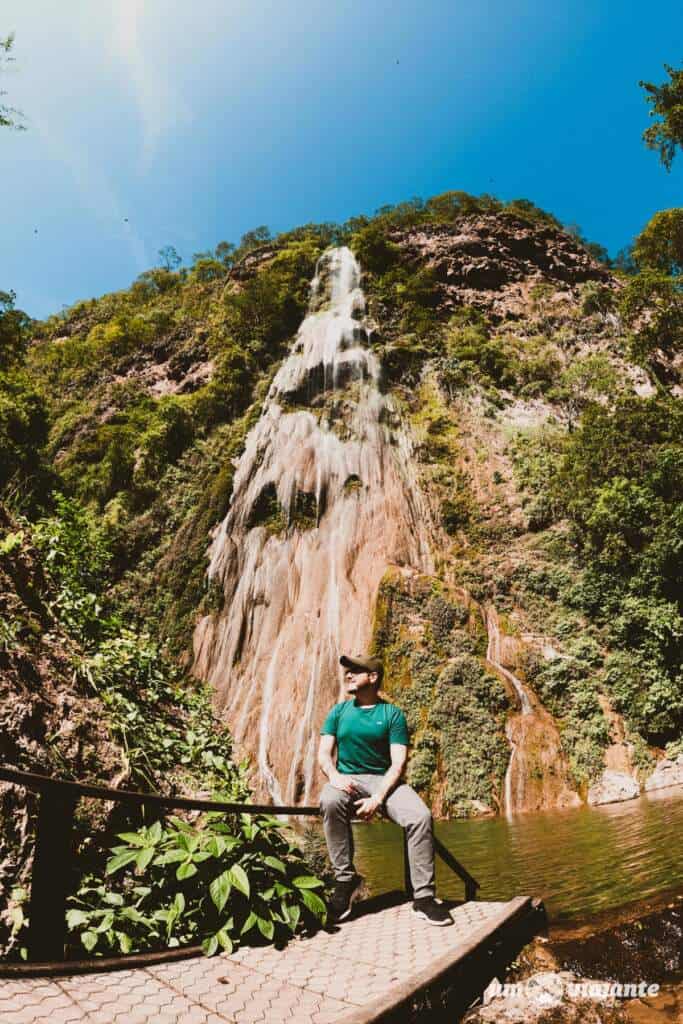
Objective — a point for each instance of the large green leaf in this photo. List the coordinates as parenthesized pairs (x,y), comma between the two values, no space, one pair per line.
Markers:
(292,914)
(106,922)
(119,860)
(132,914)
(186,870)
(171,857)
(216,846)
(249,923)
(186,841)
(144,857)
(89,940)
(219,890)
(275,862)
(314,903)
(307,882)
(74,918)
(225,940)
(238,877)
(132,838)
(154,833)
(210,945)
(267,928)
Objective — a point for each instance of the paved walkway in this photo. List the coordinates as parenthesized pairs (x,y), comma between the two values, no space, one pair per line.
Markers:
(350,974)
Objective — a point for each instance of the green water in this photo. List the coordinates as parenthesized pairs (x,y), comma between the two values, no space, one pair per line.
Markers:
(579,861)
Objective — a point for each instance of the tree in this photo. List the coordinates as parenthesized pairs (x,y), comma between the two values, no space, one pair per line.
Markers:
(251,239)
(224,253)
(666,101)
(651,305)
(13,331)
(9,116)
(170,260)
(660,243)
(584,382)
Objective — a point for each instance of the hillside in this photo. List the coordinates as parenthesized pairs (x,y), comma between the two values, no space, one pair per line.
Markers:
(524,398)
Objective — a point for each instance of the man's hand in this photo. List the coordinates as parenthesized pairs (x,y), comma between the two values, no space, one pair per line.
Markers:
(343,782)
(367,807)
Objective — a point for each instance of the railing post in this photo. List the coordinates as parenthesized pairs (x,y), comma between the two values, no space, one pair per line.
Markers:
(50,875)
(471,884)
(406,866)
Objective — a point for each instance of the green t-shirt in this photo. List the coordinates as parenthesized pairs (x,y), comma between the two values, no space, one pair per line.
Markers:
(364,735)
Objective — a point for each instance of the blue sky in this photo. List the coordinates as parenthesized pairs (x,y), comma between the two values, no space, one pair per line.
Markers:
(197,122)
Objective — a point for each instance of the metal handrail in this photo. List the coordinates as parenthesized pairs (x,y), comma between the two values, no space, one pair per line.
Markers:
(51,861)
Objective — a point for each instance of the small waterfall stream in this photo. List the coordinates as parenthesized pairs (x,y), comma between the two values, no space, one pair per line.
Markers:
(537,777)
(324,499)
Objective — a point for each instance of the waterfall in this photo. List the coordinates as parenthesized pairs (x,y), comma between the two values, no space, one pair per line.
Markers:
(324,499)
(537,775)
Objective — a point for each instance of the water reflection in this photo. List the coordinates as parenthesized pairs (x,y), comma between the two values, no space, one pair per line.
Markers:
(579,861)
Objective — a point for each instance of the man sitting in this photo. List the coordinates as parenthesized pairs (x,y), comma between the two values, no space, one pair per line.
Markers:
(371,739)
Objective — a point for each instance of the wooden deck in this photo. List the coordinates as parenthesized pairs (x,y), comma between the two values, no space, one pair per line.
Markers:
(358,973)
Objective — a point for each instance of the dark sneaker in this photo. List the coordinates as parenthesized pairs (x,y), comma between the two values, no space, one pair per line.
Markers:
(344,896)
(432,910)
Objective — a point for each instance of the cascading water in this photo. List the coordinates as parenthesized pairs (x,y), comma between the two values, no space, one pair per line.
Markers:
(537,775)
(324,499)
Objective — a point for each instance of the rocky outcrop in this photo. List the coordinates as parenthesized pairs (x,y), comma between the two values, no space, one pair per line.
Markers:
(667,773)
(613,787)
(492,261)
(546,996)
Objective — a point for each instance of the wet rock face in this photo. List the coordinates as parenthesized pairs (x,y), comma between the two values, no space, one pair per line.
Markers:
(545,997)
(323,501)
(667,773)
(613,787)
(485,260)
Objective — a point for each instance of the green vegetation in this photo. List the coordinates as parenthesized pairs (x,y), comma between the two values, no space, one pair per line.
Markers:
(665,136)
(9,116)
(659,245)
(123,418)
(244,873)
(23,412)
(455,709)
(617,481)
(217,880)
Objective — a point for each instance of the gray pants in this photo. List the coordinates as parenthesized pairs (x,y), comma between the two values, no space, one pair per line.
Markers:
(403,806)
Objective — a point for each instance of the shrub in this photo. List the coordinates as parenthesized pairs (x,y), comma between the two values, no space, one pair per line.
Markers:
(652,306)
(173,884)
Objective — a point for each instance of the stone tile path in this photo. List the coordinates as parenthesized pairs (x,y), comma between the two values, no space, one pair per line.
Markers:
(319,980)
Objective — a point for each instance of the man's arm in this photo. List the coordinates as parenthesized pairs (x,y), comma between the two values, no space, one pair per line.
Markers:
(399,755)
(328,764)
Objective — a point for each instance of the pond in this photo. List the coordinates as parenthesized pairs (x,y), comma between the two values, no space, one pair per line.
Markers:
(579,861)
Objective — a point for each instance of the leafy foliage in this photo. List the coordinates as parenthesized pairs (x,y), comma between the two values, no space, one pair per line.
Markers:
(652,306)
(659,245)
(221,881)
(666,107)
(619,481)
(9,116)
(23,412)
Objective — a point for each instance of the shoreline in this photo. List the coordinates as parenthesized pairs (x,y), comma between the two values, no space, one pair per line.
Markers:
(635,944)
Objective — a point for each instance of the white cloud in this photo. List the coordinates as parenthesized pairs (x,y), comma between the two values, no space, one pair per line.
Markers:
(158,107)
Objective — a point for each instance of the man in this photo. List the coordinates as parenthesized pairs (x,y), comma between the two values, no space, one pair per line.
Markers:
(371,740)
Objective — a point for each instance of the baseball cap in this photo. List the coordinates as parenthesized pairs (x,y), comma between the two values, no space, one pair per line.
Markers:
(363,663)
